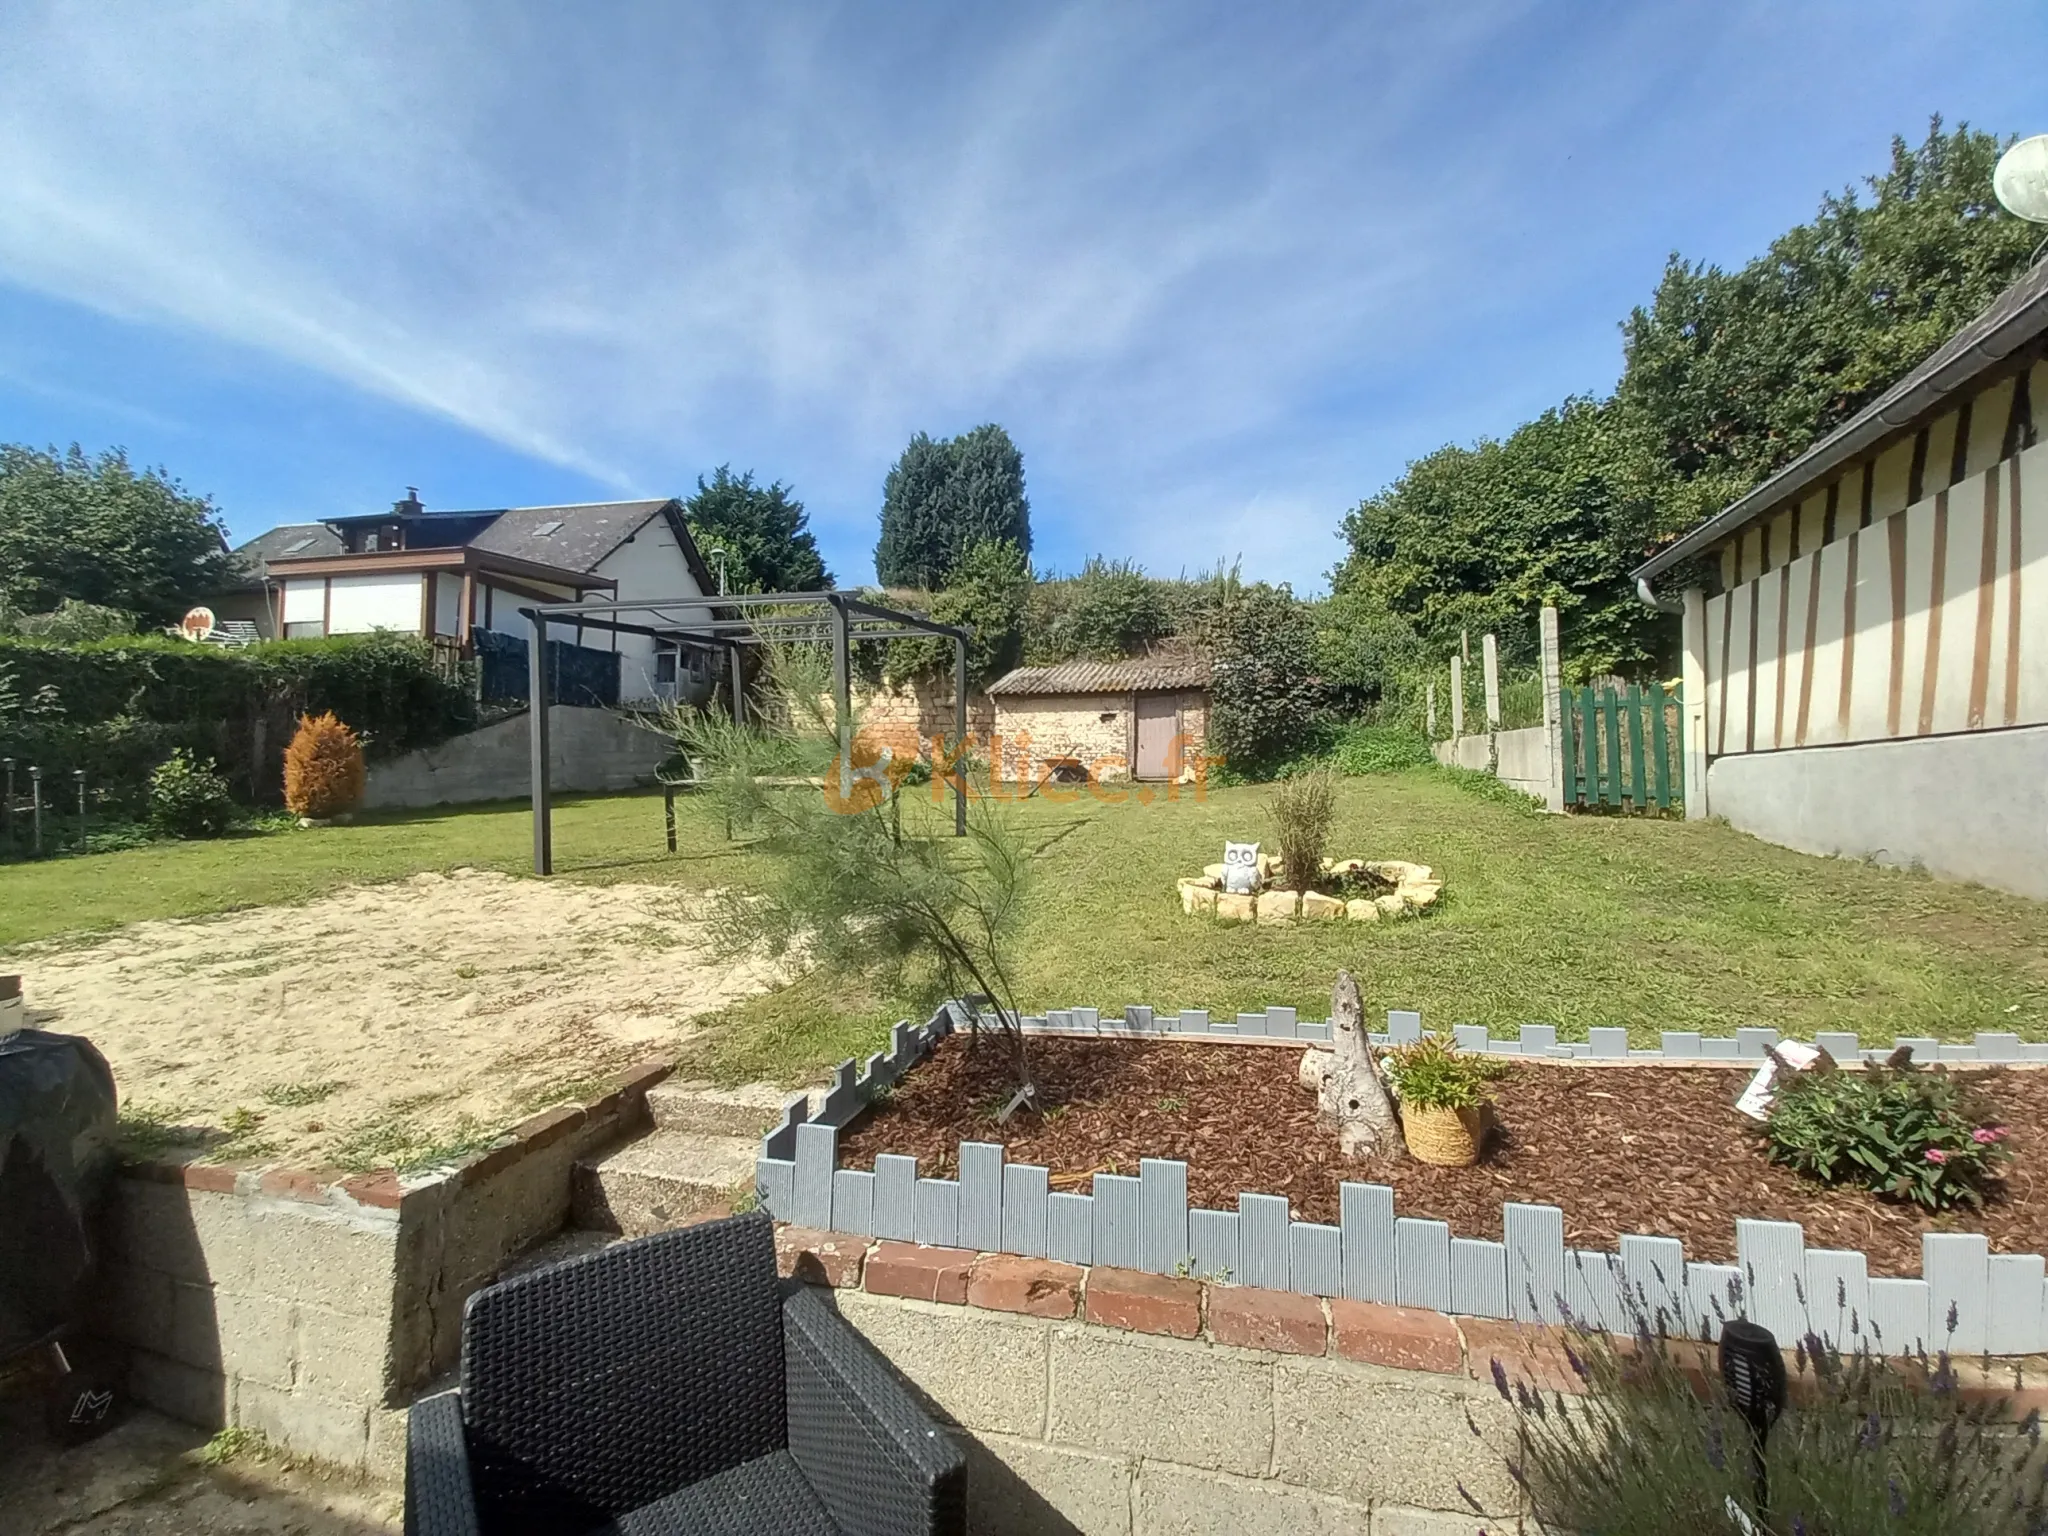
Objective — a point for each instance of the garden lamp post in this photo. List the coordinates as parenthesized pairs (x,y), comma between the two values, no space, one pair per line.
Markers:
(1753,1371)
(78,778)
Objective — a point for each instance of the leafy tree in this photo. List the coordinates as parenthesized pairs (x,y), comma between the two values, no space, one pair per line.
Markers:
(1479,538)
(1734,373)
(861,883)
(763,528)
(1265,699)
(1111,609)
(95,531)
(988,594)
(942,498)
(1728,376)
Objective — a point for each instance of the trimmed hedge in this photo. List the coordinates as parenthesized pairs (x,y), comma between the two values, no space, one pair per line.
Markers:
(118,708)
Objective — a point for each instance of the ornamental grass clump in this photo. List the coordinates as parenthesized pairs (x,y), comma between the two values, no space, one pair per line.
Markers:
(1303,808)
(1650,1442)
(1897,1130)
(323,769)
(1432,1073)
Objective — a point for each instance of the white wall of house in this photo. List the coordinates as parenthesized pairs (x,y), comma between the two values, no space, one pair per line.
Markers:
(1874,673)
(649,565)
(447,602)
(357,604)
(305,608)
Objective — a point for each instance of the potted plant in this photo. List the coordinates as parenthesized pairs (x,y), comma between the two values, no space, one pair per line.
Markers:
(1446,1100)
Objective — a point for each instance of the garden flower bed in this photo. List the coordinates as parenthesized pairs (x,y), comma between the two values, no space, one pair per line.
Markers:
(1620,1148)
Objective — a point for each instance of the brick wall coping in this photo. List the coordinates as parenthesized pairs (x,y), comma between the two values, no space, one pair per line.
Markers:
(385,1189)
(1966,1299)
(1276,1322)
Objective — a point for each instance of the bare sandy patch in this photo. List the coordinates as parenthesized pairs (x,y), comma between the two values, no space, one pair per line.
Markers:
(387,1023)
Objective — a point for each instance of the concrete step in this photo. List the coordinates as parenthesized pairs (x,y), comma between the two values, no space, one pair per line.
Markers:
(667,1178)
(752,1109)
(569,1243)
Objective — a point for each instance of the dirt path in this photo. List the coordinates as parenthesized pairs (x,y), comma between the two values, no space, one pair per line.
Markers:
(387,1023)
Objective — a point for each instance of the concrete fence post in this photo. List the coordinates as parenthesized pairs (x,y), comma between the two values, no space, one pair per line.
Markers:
(1553,683)
(1489,663)
(1457,697)
(1432,710)
(1693,710)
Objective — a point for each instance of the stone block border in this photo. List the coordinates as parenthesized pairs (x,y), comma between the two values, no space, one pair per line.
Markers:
(1249,1317)
(1966,1300)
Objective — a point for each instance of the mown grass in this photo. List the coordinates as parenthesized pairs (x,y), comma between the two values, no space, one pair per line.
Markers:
(1576,921)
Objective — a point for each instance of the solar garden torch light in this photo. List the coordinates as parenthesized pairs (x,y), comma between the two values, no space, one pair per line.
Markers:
(1753,1371)
(78,778)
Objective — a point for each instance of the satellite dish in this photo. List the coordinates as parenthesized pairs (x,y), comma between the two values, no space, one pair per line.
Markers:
(198,623)
(2021,180)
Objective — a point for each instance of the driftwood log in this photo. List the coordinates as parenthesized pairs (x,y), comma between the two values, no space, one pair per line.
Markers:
(1350,1094)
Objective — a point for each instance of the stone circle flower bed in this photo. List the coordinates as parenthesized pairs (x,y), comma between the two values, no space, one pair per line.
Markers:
(1621,1148)
(1360,890)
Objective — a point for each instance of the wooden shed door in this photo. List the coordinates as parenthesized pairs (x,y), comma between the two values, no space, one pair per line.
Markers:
(1158,725)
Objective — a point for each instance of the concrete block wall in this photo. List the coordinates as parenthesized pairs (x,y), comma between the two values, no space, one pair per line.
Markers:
(1523,760)
(1111,1403)
(312,1307)
(591,751)
(244,1304)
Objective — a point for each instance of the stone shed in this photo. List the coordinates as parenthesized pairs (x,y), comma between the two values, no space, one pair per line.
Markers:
(1141,718)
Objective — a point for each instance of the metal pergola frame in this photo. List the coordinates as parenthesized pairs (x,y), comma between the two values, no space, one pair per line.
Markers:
(849,618)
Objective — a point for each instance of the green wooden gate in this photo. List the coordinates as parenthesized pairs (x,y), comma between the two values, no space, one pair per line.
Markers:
(1620,750)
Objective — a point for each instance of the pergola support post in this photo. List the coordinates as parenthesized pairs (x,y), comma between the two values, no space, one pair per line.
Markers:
(960,737)
(842,698)
(537,715)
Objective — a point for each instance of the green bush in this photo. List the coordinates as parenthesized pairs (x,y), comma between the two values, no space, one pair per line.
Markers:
(1265,698)
(1895,1130)
(1434,1074)
(1363,749)
(118,707)
(189,798)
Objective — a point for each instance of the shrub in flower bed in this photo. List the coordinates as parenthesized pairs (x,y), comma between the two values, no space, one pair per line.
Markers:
(1653,1443)
(1897,1130)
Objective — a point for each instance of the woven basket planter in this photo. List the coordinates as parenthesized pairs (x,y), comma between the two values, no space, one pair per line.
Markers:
(1446,1138)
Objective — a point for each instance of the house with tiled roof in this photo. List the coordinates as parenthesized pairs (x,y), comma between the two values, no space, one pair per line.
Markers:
(1139,717)
(460,579)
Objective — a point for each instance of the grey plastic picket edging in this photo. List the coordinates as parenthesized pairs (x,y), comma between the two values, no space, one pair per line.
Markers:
(1968,1299)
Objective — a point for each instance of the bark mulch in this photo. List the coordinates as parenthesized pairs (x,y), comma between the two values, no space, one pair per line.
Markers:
(1619,1149)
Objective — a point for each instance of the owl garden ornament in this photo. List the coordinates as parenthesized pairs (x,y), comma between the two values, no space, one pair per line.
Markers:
(1240,868)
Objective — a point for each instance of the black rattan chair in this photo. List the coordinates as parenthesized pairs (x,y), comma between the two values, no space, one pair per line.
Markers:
(663,1387)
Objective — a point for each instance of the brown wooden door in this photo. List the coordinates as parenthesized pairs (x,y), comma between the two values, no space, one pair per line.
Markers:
(1158,728)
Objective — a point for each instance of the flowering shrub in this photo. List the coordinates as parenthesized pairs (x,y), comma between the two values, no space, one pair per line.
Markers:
(1895,1130)
(1652,1444)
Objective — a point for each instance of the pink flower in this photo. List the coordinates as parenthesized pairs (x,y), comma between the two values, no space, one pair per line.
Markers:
(1936,1155)
(1988,1135)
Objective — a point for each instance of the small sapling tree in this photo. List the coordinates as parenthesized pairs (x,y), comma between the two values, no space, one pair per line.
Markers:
(847,880)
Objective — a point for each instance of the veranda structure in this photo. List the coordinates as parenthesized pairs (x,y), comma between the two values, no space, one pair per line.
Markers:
(788,615)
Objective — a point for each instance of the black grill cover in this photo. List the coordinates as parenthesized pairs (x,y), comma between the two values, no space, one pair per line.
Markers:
(57,1113)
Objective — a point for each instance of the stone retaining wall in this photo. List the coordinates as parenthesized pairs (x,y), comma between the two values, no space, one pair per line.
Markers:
(313,1305)
(1114,1403)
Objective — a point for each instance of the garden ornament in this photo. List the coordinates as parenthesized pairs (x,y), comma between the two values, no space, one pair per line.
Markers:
(1240,868)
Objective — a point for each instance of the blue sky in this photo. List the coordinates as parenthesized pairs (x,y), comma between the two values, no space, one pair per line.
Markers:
(1221,269)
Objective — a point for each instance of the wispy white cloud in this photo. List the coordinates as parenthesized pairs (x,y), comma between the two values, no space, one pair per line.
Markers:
(1192,256)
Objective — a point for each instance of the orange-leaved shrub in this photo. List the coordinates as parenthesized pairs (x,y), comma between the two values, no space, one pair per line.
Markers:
(323,768)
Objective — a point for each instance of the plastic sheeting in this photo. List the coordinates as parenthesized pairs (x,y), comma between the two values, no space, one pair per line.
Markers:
(57,1114)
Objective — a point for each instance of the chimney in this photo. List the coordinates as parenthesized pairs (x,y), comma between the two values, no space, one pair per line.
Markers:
(410,507)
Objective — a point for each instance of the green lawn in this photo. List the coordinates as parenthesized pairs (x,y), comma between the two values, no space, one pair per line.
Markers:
(1574,921)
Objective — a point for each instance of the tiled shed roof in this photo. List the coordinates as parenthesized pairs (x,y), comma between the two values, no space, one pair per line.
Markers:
(1140,674)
